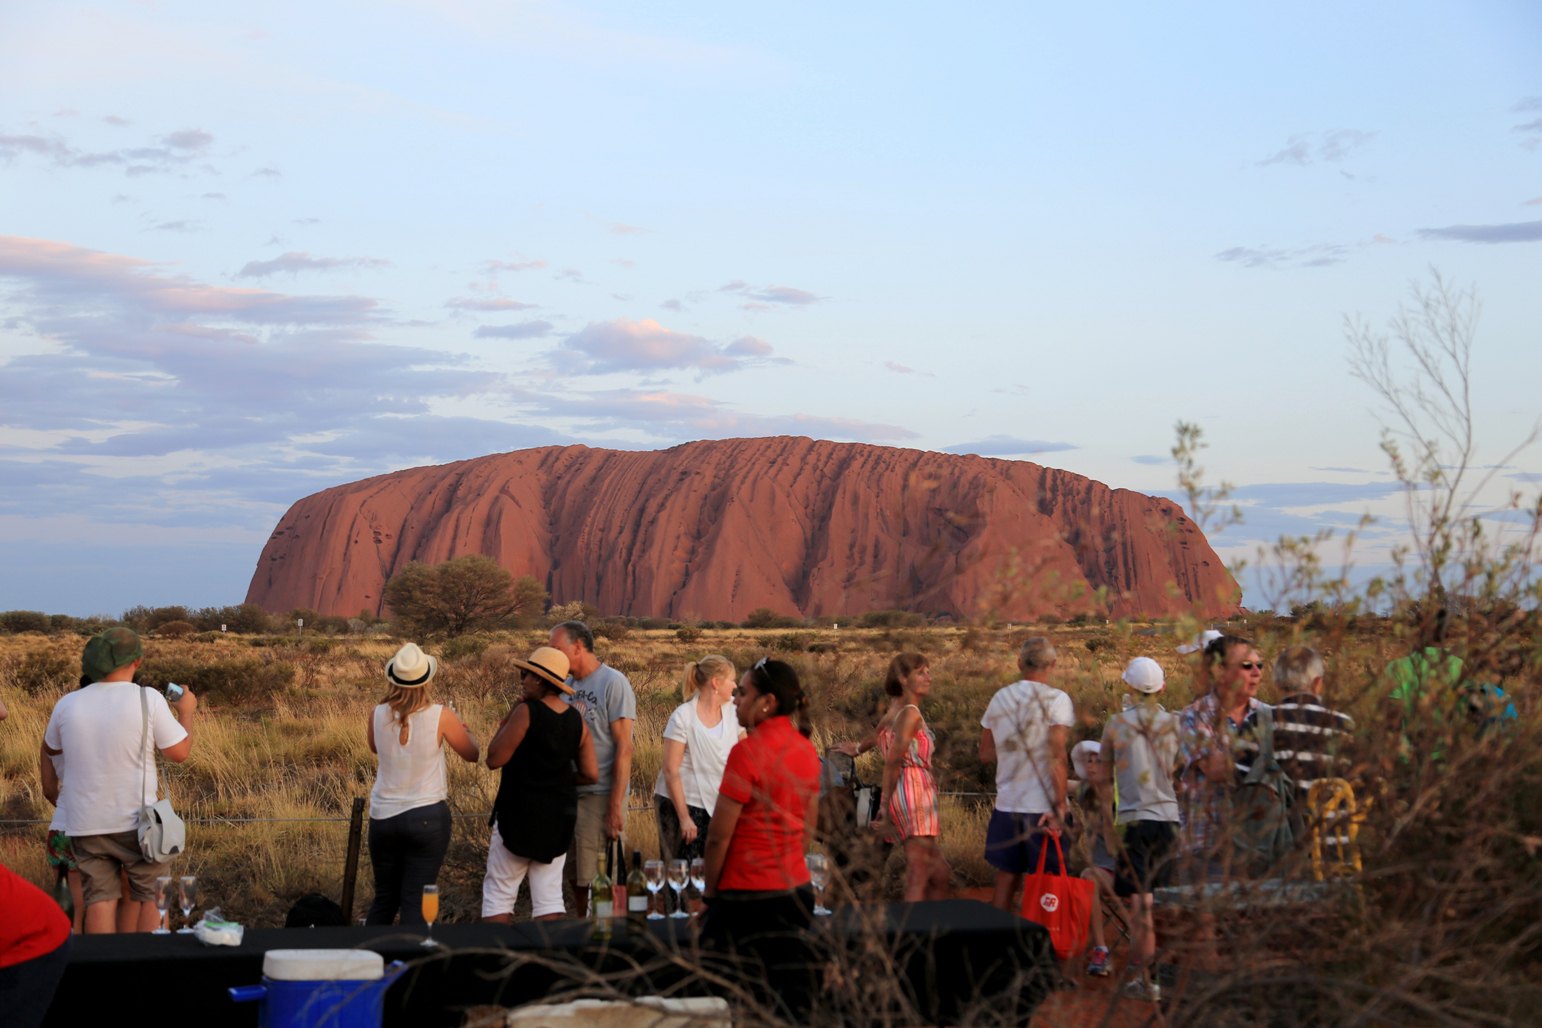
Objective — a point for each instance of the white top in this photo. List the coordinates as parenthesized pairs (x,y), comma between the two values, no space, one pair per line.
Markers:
(409,776)
(111,776)
(1141,744)
(706,751)
(57,824)
(1020,716)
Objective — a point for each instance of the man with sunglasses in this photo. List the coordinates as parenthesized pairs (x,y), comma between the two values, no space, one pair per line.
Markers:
(1215,751)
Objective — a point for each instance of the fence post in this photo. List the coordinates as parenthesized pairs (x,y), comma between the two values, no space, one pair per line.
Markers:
(351,866)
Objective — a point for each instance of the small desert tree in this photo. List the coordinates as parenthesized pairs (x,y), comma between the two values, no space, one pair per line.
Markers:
(459,596)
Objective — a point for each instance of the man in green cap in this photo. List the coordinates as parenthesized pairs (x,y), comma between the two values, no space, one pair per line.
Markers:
(108,740)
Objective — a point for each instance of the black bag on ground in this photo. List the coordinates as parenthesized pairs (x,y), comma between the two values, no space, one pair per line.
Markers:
(313,910)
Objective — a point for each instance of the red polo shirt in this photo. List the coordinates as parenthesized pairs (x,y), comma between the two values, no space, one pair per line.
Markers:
(773,774)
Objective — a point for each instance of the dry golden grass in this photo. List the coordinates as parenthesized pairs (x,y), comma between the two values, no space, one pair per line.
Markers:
(280,754)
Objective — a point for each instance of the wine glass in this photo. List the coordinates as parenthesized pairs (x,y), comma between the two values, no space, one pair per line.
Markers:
(698,878)
(819,874)
(653,870)
(187,898)
(430,912)
(163,902)
(679,873)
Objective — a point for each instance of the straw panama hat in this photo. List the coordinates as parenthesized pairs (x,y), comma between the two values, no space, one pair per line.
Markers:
(411,668)
(550,665)
(1144,675)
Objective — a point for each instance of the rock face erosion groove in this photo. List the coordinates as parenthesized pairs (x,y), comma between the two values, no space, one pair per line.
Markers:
(717,529)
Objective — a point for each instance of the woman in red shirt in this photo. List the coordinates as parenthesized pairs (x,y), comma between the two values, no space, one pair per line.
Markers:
(759,901)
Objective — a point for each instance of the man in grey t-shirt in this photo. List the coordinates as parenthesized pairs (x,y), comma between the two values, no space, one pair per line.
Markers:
(609,706)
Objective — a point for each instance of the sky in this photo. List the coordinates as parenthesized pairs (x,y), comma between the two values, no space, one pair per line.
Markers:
(248,253)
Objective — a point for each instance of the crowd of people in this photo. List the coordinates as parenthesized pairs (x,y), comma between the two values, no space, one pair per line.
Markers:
(739,784)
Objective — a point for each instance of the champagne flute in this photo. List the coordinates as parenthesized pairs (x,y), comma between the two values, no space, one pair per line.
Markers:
(698,879)
(679,873)
(187,898)
(163,902)
(653,870)
(430,912)
(819,875)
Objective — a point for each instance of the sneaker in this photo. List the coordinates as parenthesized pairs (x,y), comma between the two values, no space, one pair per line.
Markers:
(1097,963)
(1139,988)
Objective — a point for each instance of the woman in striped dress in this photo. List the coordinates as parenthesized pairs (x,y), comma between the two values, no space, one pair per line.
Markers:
(908,806)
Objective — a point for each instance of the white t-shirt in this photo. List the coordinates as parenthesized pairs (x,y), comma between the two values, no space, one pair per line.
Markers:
(1019,717)
(111,776)
(706,752)
(409,776)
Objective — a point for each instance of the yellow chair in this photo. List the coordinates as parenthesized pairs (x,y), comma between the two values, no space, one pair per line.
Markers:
(1335,823)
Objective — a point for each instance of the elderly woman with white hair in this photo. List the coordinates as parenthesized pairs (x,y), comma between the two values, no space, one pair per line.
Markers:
(409,811)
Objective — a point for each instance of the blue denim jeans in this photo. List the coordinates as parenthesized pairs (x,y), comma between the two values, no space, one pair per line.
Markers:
(405,852)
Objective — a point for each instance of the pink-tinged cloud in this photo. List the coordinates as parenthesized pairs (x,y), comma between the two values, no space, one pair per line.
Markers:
(681,416)
(297,261)
(514,265)
(646,345)
(72,276)
(620,229)
(761,298)
(487,303)
(1535,201)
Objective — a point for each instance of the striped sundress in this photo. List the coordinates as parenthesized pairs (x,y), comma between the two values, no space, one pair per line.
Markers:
(912,807)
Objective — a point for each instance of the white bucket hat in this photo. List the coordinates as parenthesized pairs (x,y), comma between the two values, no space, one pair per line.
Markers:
(1144,675)
(411,668)
(1083,752)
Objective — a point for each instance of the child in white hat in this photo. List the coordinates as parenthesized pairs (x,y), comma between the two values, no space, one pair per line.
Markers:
(1140,744)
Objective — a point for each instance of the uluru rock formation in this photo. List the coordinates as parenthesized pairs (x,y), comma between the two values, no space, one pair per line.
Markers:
(717,529)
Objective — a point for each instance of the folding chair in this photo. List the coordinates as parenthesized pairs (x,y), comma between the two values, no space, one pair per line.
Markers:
(1335,825)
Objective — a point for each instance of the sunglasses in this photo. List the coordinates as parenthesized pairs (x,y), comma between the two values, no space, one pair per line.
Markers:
(1251,665)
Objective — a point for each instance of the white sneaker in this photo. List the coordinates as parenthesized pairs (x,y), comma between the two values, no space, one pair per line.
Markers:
(1139,988)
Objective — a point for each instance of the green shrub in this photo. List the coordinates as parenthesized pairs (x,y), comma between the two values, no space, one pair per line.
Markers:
(16,621)
(41,670)
(253,679)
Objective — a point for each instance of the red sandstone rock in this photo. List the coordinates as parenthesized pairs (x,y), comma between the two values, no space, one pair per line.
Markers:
(717,529)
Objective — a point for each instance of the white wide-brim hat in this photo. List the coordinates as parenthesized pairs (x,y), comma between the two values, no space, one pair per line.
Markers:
(411,668)
(1201,640)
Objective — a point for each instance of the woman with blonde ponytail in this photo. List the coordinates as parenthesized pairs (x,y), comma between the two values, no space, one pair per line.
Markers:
(409,812)
(697,739)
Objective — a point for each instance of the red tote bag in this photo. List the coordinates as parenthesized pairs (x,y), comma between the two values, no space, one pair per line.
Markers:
(1060,903)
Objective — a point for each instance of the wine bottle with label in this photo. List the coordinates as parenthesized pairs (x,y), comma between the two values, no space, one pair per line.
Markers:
(637,890)
(601,899)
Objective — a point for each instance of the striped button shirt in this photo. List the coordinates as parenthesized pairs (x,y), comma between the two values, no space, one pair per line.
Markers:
(1311,741)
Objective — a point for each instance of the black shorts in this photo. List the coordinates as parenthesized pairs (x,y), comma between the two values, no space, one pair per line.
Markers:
(1146,858)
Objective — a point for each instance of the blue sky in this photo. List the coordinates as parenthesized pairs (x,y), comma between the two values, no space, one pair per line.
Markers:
(246,256)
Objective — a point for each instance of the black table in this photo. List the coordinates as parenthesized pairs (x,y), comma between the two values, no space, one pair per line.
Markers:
(945,958)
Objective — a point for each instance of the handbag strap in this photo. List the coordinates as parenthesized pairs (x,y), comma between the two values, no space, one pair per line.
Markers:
(144,735)
(1059,854)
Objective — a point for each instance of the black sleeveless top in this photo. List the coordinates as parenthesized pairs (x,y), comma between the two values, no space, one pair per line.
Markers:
(537,804)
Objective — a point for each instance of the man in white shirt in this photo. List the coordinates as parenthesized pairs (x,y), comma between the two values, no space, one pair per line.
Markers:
(1024,733)
(101,728)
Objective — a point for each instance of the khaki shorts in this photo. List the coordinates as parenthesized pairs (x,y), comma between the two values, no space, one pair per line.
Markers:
(100,856)
(588,846)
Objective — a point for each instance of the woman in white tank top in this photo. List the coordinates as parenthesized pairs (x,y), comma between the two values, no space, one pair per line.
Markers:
(409,816)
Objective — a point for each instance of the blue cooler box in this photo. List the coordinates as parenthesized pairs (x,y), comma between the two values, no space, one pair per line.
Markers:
(319,988)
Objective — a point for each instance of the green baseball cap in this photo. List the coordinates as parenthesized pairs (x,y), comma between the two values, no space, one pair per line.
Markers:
(107,651)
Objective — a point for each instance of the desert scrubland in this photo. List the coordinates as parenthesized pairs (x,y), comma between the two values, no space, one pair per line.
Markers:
(1447,921)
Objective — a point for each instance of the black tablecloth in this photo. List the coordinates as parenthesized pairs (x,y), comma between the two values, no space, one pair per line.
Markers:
(946,956)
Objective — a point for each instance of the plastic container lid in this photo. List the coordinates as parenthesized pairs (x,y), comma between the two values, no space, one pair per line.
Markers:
(323,965)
